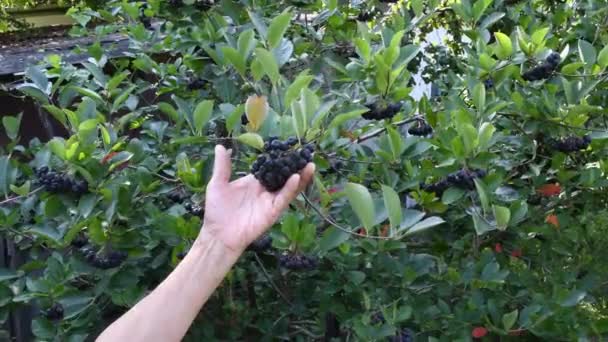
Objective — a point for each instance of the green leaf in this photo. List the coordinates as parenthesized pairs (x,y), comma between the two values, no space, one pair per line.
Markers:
(343,117)
(258,23)
(502,215)
(169,111)
(8,274)
(362,204)
(486,131)
(252,139)
(491,19)
(269,64)
(38,76)
(479,97)
(602,57)
(504,48)
(291,227)
(277,28)
(57,113)
(395,141)
(587,52)
(11,126)
(393,205)
(573,298)
(469,137)
(5,169)
(424,225)
(87,92)
(483,194)
(509,319)
(246,43)
(480,7)
(236,59)
(363,49)
(298,119)
(22,190)
(57,146)
(332,238)
(202,115)
(539,35)
(452,195)
(295,88)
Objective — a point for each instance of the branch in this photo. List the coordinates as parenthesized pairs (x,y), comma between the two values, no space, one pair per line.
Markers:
(333,223)
(382,130)
(274,286)
(556,123)
(12,199)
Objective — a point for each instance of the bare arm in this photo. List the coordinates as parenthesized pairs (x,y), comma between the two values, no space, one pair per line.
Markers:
(236,213)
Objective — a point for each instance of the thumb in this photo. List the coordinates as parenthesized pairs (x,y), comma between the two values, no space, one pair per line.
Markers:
(287,194)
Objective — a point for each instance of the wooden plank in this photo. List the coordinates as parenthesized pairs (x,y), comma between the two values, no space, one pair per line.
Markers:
(15,60)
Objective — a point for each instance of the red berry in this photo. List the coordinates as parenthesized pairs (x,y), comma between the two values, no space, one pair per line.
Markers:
(498,247)
(516,253)
(479,332)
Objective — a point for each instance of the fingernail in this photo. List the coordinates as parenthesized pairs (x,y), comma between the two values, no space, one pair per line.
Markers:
(229,152)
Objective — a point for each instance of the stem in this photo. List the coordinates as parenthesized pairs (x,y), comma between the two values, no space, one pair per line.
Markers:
(12,199)
(274,286)
(382,130)
(333,223)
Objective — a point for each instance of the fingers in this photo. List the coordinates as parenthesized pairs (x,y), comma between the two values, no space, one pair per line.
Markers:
(306,176)
(222,166)
(289,191)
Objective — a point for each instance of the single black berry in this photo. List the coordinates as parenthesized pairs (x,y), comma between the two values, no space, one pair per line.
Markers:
(196,84)
(365,16)
(80,240)
(403,335)
(55,312)
(489,83)
(244,120)
(553,59)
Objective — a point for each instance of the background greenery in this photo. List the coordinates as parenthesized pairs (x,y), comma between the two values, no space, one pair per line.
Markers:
(521,255)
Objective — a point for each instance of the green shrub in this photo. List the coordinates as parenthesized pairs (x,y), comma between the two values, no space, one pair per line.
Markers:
(480,211)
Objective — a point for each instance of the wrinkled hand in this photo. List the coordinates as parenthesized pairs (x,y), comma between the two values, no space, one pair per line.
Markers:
(238,212)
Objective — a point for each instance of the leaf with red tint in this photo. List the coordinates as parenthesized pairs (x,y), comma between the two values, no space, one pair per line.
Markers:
(362,231)
(479,332)
(516,253)
(549,190)
(498,247)
(553,220)
(108,157)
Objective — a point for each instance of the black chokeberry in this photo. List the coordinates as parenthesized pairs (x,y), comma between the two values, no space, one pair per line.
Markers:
(420,128)
(244,120)
(55,312)
(365,16)
(464,179)
(488,84)
(571,144)
(403,335)
(196,84)
(379,112)
(298,262)
(262,244)
(60,182)
(544,70)
(280,161)
(80,241)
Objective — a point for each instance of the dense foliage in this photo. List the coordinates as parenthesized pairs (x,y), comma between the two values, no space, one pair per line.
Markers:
(480,212)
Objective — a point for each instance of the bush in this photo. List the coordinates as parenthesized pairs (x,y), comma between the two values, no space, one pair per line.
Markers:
(477,213)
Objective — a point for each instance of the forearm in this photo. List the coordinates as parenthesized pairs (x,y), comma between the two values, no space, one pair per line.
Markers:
(167,312)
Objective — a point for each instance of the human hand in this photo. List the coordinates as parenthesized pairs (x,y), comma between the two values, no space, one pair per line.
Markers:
(238,212)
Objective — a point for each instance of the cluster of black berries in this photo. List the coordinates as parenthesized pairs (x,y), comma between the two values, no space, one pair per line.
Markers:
(280,161)
(262,244)
(420,129)
(462,179)
(379,112)
(104,261)
(298,262)
(365,16)
(544,70)
(177,196)
(403,335)
(571,143)
(60,182)
(488,84)
(196,84)
(55,312)
(175,3)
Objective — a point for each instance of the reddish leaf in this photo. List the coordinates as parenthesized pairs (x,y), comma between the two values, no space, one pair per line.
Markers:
(498,247)
(479,332)
(552,219)
(108,157)
(549,190)
(516,253)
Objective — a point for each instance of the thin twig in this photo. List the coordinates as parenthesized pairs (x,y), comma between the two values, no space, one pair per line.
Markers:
(333,223)
(11,199)
(556,123)
(382,130)
(276,288)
